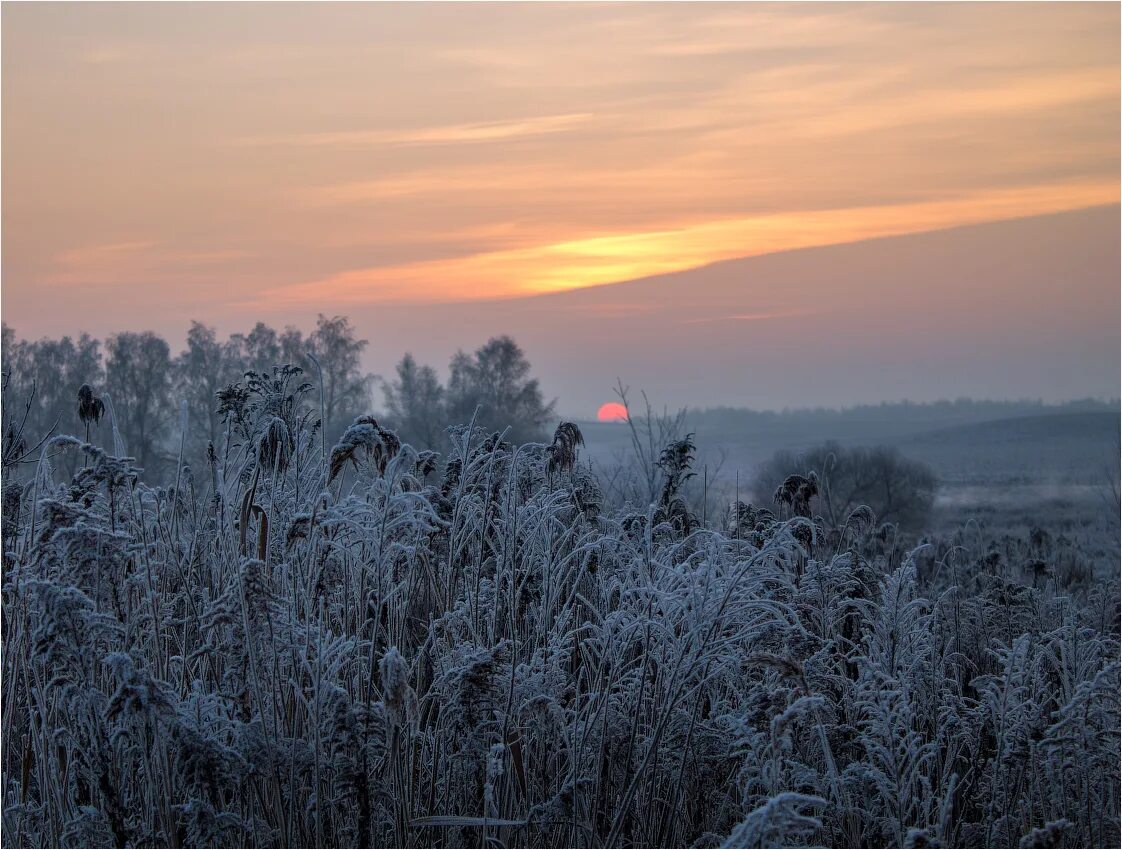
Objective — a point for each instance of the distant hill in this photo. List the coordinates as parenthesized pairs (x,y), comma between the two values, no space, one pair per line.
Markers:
(890,419)
(1065,444)
(1071,448)
(1060,424)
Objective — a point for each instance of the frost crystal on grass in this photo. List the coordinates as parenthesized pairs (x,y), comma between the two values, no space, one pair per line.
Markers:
(365,645)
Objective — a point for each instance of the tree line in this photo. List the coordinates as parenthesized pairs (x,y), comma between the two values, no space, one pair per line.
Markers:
(149,391)
(163,403)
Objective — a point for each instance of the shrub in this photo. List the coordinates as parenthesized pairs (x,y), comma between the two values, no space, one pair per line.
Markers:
(897,489)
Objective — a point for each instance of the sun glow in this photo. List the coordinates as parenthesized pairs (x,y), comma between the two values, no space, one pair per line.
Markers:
(576,263)
(611,411)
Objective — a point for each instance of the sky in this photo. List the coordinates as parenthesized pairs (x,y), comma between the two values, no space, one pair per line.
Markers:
(404,163)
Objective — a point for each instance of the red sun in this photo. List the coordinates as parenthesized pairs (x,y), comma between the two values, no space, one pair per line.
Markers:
(611,411)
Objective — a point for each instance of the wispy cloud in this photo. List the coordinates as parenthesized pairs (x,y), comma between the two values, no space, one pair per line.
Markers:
(750,317)
(104,55)
(449,134)
(127,263)
(102,255)
(679,179)
(745,29)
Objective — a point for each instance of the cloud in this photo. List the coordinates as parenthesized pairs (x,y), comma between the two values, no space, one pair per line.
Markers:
(445,153)
(449,134)
(677,179)
(744,30)
(750,317)
(104,55)
(595,260)
(102,255)
(124,264)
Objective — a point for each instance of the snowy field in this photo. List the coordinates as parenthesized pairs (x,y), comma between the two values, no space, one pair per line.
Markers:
(359,644)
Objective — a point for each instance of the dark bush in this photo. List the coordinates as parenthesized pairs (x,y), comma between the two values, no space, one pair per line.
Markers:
(898,490)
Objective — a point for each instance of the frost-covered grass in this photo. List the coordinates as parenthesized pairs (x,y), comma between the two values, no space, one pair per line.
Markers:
(365,645)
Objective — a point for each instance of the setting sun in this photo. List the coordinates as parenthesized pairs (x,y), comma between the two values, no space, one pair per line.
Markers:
(611,411)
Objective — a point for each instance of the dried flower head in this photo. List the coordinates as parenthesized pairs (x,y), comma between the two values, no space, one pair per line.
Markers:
(562,452)
(90,407)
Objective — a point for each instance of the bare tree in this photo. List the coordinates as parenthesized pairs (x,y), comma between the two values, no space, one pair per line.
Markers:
(204,367)
(57,369)
(637,476)
(138,375)
(263,348)
(346,388)
(496,380)
(415,404)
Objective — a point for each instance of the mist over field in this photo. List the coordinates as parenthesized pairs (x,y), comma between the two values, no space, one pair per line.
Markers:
(561,425)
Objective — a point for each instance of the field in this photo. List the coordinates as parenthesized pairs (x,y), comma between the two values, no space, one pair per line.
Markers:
(359,644)
(1052,467)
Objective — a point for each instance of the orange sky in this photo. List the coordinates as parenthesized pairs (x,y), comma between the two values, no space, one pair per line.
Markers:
(235,162)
